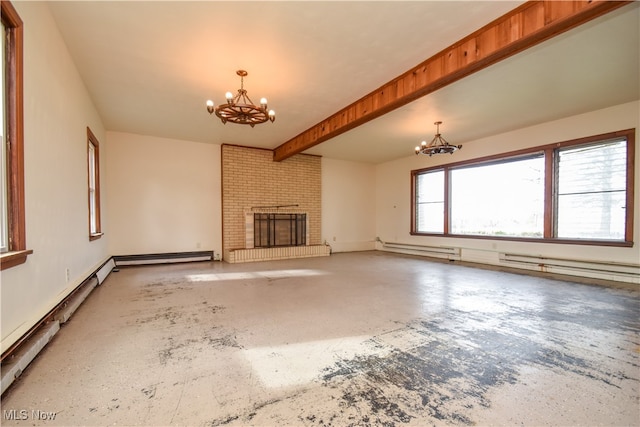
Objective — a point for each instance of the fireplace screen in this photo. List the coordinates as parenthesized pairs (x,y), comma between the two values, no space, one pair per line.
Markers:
(277,229)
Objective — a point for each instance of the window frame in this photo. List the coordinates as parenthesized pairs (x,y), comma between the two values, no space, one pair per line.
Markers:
(4,221)
(14,115)
(93,192)
(549,151)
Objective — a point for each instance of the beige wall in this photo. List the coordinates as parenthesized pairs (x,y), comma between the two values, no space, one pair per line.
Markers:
(393,195)
(348,205)
(251,178)
(164,195)
(57,111)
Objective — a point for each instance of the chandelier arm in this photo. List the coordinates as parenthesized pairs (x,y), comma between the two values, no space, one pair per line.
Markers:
(246,98)
(434,142)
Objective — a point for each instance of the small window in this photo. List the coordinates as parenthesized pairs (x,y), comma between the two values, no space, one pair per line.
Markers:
(93,160)
(430,202)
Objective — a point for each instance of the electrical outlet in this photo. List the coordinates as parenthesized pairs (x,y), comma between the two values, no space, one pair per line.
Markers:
(67,274)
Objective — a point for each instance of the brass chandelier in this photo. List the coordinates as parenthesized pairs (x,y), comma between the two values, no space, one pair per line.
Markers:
(438,145)
(240,109)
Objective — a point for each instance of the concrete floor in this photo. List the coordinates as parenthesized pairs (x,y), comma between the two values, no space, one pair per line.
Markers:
(352,339)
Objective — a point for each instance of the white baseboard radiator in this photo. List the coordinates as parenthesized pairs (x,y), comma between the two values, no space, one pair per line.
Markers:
(23,355)
(16,359)
(607,270)
(450,253)
(164,258)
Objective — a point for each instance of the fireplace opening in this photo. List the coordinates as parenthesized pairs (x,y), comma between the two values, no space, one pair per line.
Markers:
(279,229)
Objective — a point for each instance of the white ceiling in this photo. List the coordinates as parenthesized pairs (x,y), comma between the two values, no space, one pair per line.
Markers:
(150,67)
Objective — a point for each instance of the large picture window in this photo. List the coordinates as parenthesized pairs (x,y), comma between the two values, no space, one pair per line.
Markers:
(578,191)
(499,199)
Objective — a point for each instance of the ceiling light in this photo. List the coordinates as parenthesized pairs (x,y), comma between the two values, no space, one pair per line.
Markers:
(240,109)
(438,144)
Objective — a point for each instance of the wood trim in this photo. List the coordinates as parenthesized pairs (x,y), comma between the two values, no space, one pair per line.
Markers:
(92,140)
(11,259)
(549,192)
(414,207)
(631,144)
(15,127)
(15,138)
(10,16)
(514,32)
(223,238)
(447,201)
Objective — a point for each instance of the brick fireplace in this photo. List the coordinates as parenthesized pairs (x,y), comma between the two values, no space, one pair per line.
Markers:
(252,183)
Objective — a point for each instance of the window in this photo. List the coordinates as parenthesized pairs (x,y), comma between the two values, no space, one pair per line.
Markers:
(430,201)
(578,191)
(12,214)
(591,191)
(93,163)
(499,199)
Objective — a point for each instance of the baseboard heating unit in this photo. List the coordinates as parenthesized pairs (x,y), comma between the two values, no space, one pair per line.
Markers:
(26,353)
(167,258)
(590,268)
(450,253)
(16,359)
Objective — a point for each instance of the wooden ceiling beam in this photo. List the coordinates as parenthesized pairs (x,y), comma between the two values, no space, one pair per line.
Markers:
(514,32)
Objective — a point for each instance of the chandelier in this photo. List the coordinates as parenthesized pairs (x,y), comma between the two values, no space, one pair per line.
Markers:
(438,145)
(240,109)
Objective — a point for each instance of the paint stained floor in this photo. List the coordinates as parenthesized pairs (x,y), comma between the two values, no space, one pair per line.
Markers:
(353,339)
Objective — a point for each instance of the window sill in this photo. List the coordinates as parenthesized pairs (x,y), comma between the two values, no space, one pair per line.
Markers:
(11,259)
(95,236)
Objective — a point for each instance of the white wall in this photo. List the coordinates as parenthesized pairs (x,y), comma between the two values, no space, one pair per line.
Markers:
(393,197)
(57,111)
(348,205)
(164,195)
